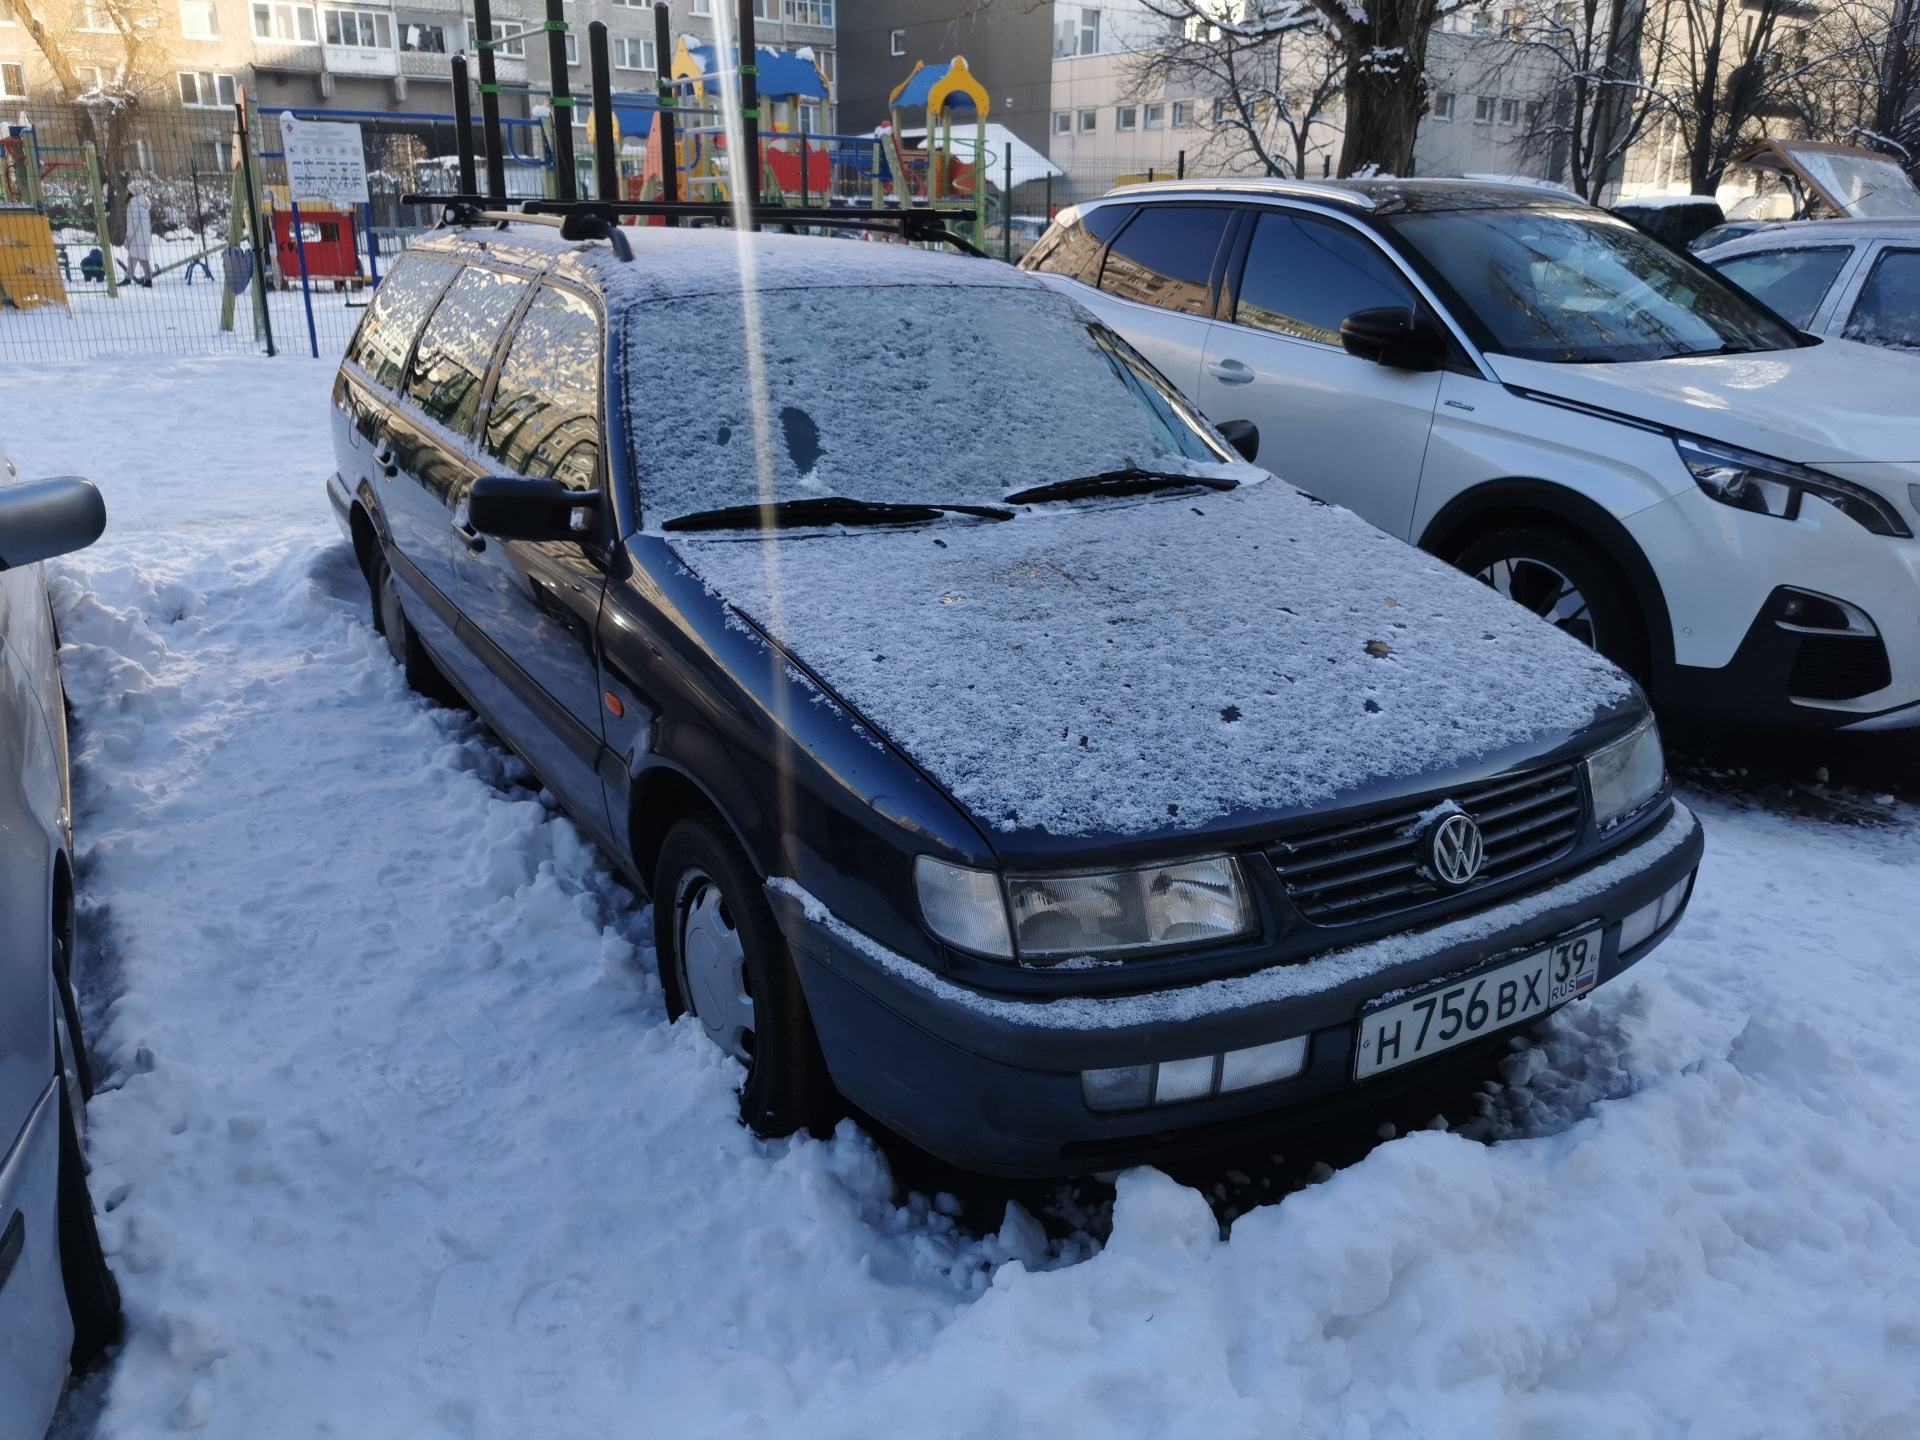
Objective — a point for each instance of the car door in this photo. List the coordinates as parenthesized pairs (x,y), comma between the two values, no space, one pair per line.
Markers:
(1343,428)
(1792,282)
(1887,311)
(376,359)
(536,604)
(1159,280)
(29,796)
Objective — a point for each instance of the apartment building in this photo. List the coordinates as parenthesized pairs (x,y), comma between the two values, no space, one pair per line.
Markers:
(1005,42)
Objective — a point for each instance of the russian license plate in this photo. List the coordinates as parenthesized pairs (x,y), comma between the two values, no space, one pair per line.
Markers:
(1510,994)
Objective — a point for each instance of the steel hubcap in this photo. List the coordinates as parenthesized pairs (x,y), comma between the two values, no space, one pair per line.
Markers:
(1546,592)
(713,968)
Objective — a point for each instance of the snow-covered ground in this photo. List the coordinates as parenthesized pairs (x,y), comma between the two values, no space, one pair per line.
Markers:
(398,1142)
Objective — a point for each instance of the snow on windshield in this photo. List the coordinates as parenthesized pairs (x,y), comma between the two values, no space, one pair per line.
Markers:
(899,394)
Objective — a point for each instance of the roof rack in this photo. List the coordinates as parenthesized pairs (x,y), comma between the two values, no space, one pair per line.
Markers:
(599,219)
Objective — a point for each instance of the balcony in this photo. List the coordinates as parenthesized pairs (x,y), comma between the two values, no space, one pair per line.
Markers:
(277,57)
(361,60)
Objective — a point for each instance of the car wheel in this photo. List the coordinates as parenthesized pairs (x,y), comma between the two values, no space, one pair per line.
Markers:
(93,1295)
(1566,583)
(724,960)
(403,641)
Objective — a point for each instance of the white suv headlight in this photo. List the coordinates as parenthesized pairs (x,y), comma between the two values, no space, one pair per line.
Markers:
(1774,487)
(1063,917)
(1626,774)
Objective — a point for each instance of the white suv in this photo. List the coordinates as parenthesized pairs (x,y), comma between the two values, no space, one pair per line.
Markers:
(1592,423)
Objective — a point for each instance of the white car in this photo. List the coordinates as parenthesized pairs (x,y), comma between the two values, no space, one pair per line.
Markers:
(1858,279)
(1590,422)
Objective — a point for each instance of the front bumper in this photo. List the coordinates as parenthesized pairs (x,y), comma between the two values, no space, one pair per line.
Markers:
(994,1084)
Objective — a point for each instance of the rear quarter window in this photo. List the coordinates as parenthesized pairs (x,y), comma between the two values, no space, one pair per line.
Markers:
(1076,243)
(1791,283)
(381,343)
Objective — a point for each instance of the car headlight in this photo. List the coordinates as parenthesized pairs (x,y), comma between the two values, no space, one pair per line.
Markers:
(1063,917)
(1774,487)
(1627,774)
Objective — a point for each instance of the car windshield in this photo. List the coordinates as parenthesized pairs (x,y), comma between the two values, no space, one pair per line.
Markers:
(901,395)
(1575,286)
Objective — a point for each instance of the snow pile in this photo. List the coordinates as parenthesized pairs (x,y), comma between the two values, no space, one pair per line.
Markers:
(400,1146)
(1158,664)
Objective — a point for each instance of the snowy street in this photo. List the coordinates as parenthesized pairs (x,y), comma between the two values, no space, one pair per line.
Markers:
(395,1139)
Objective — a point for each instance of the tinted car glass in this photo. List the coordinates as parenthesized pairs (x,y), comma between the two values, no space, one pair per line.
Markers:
(457,346)
(1165,257)
(1791,283)
(1579,287)
(399,305)
(1888,310)
(912,394)
(1075,246)
(545,417)
(1303,276)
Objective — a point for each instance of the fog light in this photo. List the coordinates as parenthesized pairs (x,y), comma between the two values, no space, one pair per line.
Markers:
(1183,1080)
(1125,1087)
(1263,1064)
(1640,926)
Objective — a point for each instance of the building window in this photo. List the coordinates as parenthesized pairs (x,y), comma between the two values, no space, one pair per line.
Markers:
(1126,117)
(91,78)
(573,50)
(205,92)
(292,24)
(1443,107)
(1089,32)
(142,154)
(1532,115)
(1155,117)
(896,42)
(508,38)
(199,20)
(1182,114)
(6,12)
(1062,122)
(1509,112)
(823,62)
(92,17)
(362,29)
(702,7)
(423,39)
(1513,23)
(807,12)
(1483,110)
(1220,112)
(13,81)
(1089,121)
(632,54)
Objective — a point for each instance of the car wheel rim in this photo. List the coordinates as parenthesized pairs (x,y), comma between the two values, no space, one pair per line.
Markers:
(1546,591)
(713,967)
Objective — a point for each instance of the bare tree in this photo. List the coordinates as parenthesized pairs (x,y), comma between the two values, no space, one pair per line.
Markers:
(1866,88)
(1382,55)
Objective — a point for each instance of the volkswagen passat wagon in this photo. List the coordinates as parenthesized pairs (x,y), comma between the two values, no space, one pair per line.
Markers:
(1594,424)
(1002,751)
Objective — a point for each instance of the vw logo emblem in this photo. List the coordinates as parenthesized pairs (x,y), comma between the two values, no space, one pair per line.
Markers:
(1455,850)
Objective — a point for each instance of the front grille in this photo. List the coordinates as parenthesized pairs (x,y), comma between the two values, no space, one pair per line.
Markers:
(1351,873)
(1838,667)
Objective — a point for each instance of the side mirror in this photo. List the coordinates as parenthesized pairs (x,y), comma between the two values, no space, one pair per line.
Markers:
(513,507)
(1242,435)
(44,518)
(1393,336)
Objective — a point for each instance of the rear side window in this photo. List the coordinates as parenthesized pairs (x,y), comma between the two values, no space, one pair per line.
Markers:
(380,345)
(545,417)
(1075,245)
(1791,283)
(1303,276)
(1888,310)
(456,348)
(1165,257)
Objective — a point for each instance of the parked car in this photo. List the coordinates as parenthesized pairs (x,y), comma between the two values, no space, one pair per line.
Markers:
(1001,751)
(1591,422)
(59,1305)
(1853,279)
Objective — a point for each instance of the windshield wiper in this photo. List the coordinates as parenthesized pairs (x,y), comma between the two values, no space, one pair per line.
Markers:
(825,510)
(1131,481)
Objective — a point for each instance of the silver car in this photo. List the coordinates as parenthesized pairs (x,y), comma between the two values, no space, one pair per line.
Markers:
(1856,279)
(59,1305)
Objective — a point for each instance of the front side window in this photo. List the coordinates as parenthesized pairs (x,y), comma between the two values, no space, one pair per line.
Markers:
(456,348)
(798,423)
(1165,257)
(1791,283)
(545,418)
(1888,310)
(380,345)
(1303,276)
(1577,286)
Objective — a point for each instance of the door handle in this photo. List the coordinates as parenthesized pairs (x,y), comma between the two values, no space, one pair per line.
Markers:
(383,456)
(475,541)
(1229,372)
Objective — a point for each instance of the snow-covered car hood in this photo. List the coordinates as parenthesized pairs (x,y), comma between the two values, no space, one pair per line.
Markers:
(1117,667)
(1835,401)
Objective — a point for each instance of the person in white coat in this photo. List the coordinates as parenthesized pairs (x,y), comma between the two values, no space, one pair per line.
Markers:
(139,235)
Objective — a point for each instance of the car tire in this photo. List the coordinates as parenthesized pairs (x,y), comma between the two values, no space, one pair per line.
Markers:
(403,641)
(724,960)
(93,1295)
(1567,582)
